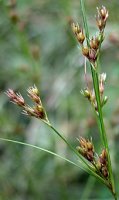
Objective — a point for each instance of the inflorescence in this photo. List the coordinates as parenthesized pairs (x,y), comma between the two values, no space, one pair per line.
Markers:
(37,110)
(87,150)
(91,51)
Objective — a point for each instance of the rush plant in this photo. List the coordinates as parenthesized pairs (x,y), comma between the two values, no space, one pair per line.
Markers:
(96,165)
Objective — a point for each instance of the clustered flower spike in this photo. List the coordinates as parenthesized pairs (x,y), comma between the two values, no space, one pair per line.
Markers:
(102,18)
(91,50)
(90,94)
(102,163)
(78,32)
(37,110)
(86,149)
(33,93)
(16,98)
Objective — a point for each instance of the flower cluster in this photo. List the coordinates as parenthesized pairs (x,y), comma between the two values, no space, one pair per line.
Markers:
(102,18)
(86,149)
(78,32)
(91,50)
(102,164)
(37,110)
(90,94)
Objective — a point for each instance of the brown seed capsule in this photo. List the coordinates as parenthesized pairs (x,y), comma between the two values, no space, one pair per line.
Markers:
(75,28)
(104,171)
(104,13)
(101,18)
(80,37)
(33,93)
(92,55)
(90,156)
(100,24)
(85,51)
(89,145)
(103,157)
(94,43)
(39,111)
(86,149)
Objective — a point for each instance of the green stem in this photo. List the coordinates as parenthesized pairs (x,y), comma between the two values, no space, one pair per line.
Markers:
(88,168)
(52,153)
(97,94)
(70,146)
(101,123)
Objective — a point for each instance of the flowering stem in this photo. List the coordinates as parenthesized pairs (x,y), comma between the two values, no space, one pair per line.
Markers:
(97,95)
(88,168)
(70,146)
(101,123)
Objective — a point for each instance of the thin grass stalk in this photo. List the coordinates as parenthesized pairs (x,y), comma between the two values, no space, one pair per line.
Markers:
(87,167)
(97,94)
(102,127)
(70,146)
(54,154)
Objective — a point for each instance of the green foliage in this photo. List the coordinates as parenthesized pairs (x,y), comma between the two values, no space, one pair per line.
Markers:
(58,71)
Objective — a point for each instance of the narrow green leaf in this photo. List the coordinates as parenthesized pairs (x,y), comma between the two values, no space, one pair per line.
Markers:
(42,149)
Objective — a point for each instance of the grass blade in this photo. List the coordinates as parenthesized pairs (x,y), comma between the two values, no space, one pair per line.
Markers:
(42,149)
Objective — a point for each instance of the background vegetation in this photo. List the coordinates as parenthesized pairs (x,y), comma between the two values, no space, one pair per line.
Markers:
(37,46)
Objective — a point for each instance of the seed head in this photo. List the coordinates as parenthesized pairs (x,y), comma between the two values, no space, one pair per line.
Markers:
(85,51)
(103,13)
(40,112)
(102,162)
(78,32)
(92,55)
(33,93)
(101,18)
(103,157)
(80,37)
(102,79)
(94,43)
(16,97)
(86,93)
(75,28)
(86,149)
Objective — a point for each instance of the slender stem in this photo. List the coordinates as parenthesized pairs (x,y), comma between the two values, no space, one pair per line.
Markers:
(97,94)
(50,152)
(88,168)
(82,4)
(102,127)
(70,146)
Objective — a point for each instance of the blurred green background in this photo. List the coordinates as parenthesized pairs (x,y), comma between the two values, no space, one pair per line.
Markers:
(37,47)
